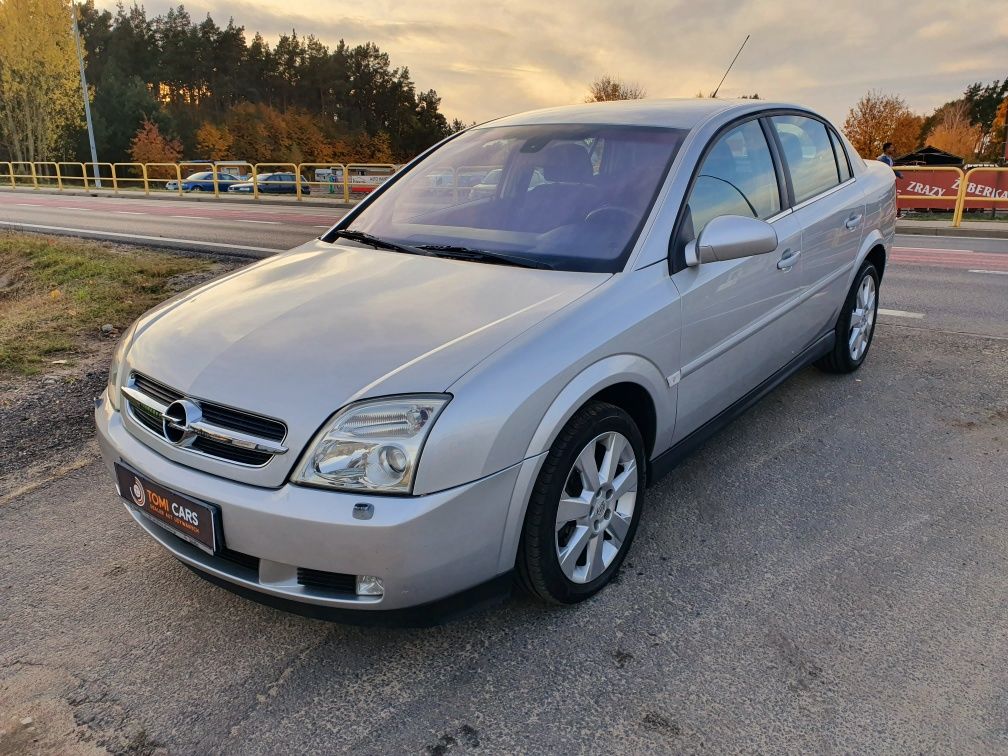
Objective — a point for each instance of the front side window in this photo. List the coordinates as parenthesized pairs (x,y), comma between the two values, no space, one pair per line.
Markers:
(808,155)
(737,177)
(569,196)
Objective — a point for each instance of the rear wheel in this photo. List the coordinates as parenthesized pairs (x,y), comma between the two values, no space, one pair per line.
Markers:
(585,506)
(856,324)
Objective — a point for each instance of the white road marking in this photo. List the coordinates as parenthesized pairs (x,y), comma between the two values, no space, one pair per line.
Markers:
(933,249)
(127,212)
(321,226)
(900,313)
(103,234)
(992,272)
(245,220)
(191,217)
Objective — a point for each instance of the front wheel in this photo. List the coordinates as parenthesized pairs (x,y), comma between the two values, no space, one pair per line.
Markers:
(585,507)
(856,324)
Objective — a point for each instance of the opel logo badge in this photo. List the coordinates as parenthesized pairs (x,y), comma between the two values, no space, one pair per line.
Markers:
(178,421)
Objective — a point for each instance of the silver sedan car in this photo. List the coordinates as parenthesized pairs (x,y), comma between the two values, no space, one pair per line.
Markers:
(446,392)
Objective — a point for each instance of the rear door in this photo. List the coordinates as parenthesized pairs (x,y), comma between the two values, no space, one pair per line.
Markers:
(740,319)
(829,206)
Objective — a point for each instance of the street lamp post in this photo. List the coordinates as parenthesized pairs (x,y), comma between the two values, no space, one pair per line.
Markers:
(84,92)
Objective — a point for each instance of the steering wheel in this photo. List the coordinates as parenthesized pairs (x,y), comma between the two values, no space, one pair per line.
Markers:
(608,217)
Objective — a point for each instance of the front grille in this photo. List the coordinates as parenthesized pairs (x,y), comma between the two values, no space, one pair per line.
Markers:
(330,582)
(217,414)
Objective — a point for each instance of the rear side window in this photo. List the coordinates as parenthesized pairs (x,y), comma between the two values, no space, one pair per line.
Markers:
(808,155)
(841,157)
(737,178)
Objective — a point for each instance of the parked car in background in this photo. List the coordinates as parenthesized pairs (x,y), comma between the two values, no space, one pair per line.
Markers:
(442,392)
(203,182)
(273,183)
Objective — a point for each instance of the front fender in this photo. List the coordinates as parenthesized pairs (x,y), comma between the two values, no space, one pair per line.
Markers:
(620,368)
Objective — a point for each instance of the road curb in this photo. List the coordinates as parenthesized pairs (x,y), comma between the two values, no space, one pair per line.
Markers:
(983,233)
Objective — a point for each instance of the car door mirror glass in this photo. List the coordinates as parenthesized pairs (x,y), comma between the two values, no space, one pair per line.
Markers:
(729,237)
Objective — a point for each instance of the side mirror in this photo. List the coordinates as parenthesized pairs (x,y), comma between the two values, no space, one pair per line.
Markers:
(729,237)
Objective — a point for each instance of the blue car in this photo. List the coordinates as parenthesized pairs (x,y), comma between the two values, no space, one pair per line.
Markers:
(203,182)
(273,183)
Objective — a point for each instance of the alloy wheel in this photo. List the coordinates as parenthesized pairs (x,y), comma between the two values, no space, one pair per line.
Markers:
(596,507)
(862,319)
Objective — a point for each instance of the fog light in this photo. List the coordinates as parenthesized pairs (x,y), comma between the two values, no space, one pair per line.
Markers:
(369,585)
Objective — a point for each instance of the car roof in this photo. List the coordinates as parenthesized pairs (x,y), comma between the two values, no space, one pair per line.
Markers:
(683,113)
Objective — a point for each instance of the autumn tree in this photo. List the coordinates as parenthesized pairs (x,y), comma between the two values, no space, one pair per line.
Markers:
(214,142)
(149,145)
(40,96)
(606,88)
(954,133)
(878,118)
(997,137)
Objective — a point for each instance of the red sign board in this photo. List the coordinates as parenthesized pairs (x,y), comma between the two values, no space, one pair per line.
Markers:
(937,189)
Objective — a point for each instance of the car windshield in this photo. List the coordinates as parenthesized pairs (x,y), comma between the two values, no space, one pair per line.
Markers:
(572,197)
(198,176)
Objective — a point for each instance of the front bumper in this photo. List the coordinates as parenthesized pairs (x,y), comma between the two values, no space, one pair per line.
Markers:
(425,548)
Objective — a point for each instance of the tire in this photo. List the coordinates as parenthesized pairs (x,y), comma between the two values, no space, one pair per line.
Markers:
(598,521)
(852,345)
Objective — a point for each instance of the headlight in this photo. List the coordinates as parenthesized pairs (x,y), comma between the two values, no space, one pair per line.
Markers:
(116,367)
(373,445)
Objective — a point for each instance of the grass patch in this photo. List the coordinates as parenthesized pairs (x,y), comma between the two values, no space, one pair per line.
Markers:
(55,294)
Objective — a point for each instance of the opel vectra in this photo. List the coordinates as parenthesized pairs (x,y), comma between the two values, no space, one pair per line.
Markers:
(450,389)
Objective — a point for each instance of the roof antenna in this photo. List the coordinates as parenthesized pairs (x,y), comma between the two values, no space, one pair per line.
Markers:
(714,93)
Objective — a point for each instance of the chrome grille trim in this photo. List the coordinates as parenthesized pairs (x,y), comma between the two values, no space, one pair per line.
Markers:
(209,439)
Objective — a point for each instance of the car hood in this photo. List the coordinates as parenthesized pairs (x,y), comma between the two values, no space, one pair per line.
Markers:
(301,334)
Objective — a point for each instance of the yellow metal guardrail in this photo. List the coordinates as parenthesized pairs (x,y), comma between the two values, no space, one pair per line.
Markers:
(335,174)
(975,192)
(72,172)
(18,172)
(101,176)
(129,173)
(347,180)
(363,172)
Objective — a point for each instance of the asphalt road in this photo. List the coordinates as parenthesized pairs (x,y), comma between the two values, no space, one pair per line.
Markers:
(827,574)
(243,228)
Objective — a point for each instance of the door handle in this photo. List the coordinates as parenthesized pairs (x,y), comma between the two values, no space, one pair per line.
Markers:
(788,259)
(853,222)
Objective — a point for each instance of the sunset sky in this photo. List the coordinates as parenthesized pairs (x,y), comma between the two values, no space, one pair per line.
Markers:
(490,59)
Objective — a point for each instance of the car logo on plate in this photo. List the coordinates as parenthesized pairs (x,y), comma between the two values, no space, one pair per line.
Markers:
(178,421)
(138,493)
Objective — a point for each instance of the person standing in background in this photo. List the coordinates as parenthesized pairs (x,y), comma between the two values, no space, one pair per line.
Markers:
(886,157)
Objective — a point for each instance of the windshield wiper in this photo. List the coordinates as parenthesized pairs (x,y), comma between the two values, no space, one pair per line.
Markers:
(379,243)
(482,255)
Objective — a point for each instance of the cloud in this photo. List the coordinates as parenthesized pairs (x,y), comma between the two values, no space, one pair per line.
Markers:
(489,59)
